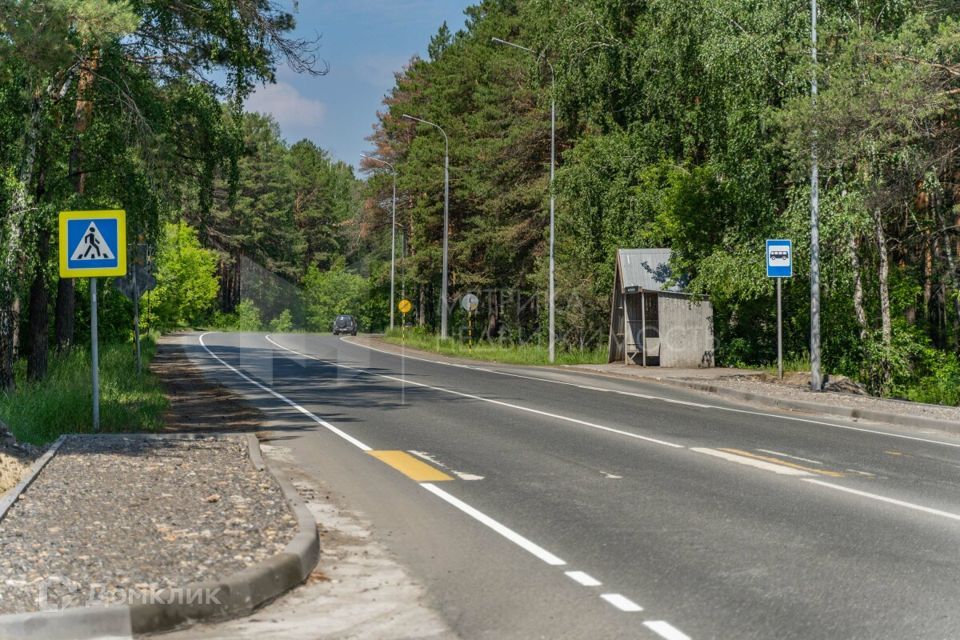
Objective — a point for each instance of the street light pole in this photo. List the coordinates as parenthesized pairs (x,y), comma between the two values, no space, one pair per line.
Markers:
(816,379)
(446,219)
(553,163)
(393,231)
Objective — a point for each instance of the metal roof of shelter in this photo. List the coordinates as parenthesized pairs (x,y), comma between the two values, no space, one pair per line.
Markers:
(648,269)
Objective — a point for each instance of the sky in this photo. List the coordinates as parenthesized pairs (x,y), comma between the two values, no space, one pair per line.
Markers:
(364,42)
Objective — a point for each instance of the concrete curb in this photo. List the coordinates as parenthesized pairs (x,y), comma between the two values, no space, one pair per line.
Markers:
(234,596)
(14,494)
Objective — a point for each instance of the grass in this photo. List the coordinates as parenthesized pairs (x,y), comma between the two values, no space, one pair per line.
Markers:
(39,412)
(526,354)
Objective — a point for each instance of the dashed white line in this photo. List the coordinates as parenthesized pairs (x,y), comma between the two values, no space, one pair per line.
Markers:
(622,602)
(503,530)
(323,423)
(893,501)
(665,630)
(751,462)
(787,455)
(583,578)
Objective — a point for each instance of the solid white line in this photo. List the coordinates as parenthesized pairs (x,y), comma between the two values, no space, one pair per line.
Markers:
(894,501)
(583,578)
(787,455)
(665,630)
(501,403)
(686,403)
(320,421)
(503,530)
(622,602)
(751,462)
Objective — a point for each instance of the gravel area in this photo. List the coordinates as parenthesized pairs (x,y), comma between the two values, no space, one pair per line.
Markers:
(795,392)
(15,459)
(114,516)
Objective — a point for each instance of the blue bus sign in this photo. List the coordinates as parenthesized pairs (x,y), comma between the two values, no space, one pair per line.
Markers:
(779,258)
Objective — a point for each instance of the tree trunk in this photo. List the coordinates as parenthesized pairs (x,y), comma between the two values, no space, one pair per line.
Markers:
(421,308)
(886,330)
(38,312)
(858,309)
(82,115)
(9,280)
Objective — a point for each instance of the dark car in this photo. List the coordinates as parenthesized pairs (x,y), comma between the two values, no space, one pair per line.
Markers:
(345,324)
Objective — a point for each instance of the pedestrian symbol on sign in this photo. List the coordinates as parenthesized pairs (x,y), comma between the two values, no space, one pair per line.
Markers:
(92,246)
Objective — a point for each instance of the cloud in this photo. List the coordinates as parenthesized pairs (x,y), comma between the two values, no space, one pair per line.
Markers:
(292,111)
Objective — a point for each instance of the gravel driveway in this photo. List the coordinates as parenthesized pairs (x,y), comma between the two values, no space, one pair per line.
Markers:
(115,517)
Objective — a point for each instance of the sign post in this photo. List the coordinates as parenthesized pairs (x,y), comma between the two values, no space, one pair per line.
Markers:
(93,244)
(469,303)
(779,266)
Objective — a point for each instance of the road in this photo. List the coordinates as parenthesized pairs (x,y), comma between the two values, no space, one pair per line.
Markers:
(547,503)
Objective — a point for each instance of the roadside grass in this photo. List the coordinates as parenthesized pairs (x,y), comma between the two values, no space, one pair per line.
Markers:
(525,354)
(39,412)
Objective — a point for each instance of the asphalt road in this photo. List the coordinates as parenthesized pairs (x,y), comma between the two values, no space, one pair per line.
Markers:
(554,504)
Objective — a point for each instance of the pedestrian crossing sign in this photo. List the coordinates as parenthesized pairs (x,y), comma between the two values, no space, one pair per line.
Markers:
(93,244)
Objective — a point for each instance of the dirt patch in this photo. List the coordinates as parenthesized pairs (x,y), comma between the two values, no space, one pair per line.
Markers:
(197,404)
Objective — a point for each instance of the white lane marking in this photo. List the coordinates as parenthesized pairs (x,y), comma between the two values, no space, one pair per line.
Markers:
(429,458)
(665,630)
(686,403)
(621,602)
(751,462)
(503,530)
(583,578)
(787,455)
(893,501)
(862,473)
(501,403)
(320,421)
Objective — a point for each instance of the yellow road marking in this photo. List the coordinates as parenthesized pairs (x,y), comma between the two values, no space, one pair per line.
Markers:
(822,472)
(411,467)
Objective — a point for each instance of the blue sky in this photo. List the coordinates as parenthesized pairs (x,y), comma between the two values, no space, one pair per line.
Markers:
(364,42)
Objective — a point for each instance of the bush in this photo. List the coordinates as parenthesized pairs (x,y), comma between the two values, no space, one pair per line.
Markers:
(283,323)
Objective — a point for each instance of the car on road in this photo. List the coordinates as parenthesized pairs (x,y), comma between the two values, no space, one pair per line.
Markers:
(345,323)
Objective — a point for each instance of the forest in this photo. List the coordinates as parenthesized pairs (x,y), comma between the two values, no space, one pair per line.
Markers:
(689,124)
(686,124)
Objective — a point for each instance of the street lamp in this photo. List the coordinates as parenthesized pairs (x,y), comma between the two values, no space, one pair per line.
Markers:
(446,219)
(816,378)
(553,163)
(393,230)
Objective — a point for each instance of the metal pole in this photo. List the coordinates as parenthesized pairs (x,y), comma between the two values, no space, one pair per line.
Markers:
(779,329)
(446,222)
(551,303)
(393,248)
(393,232)
(446,218)
(553,162)
(95,353)
(136,317)
(643,328)
(816,380)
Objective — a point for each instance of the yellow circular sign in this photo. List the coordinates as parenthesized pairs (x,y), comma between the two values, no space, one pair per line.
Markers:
(404,306)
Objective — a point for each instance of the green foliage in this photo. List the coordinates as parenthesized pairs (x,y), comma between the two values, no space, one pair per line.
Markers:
(39,412)
(247,316)
(186,280)
(329,293)
(283,323)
